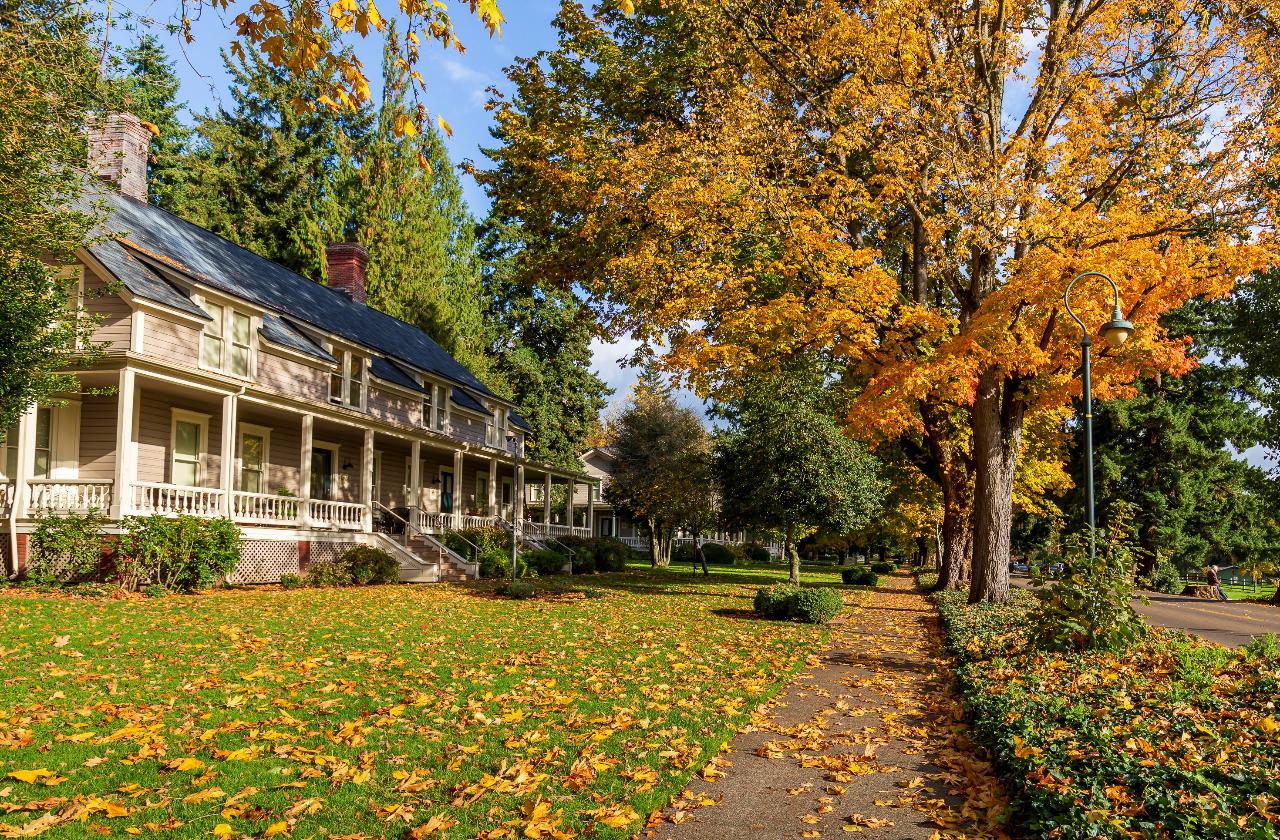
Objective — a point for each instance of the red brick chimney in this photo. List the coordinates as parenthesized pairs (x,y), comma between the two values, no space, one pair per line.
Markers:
(345,262)
(118,149)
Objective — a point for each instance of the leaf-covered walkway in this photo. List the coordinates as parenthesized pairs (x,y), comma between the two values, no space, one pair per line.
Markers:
(869,740)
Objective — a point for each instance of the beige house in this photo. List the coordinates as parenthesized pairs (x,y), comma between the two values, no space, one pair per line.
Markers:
(233,387)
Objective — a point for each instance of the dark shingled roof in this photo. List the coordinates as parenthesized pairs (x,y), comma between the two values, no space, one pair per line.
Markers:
(389,371)
(519,422)
(282,333)
(140,279)
(465,400)
(216,262)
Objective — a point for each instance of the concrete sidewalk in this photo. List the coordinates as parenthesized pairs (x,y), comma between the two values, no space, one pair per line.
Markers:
(869,740)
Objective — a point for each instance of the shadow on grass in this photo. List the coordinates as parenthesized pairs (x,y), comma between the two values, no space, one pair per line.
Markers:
(738,614)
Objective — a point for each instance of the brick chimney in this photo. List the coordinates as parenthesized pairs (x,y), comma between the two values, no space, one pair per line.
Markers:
(118,147)
(345,263)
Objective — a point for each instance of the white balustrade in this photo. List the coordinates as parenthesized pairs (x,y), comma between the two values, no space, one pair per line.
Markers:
(346,516)
(6,497)
(265,508)
(63,496)
(431,522)
(471,521)
(174,499)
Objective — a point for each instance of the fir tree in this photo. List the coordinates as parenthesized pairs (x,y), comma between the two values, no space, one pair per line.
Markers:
(541,349)
(151,93)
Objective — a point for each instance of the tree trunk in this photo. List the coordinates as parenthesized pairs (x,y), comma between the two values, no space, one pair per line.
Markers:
(698,555)
(793,556)
(957,536)
(997,435)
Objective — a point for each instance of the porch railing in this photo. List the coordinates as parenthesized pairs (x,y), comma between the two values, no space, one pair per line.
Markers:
(67,495)
(347,516)
(430,522)
(6,496)
(473,521)
(156,497)
(265,508)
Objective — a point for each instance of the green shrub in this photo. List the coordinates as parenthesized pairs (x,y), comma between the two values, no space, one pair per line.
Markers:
(611,555)
(682,553)
(883,567)
(593,593)
(369,565)
(756,553)
(559,586)
(815,606)
(859,576)
(180,554)
(496,563)
(154,590)
(545,561)
(775,601)
(1164,578)
(785,601)
(290,581)
(521,590)
(724,555)
(484,539)
(328,573)
(66,549)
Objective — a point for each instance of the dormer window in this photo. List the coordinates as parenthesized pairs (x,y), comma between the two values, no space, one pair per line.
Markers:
(348,384)
(226,343)
(498,427)
(435,407)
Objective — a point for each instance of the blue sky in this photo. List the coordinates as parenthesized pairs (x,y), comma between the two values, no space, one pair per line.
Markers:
(456,89)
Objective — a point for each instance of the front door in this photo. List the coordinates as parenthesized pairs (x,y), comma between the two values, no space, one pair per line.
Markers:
(322,474)
(506,499)
(446,491)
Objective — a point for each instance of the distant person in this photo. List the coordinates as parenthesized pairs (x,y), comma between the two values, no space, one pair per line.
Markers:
(1211,578)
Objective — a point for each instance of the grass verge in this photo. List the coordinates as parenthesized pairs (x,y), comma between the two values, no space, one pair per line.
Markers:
(1176,738)
(386,711)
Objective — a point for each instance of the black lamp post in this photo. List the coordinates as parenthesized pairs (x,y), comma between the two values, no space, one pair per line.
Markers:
(1115,332)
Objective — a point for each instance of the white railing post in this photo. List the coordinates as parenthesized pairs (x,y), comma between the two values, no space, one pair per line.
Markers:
(457,488)
(492,505)
(570,486)
(415,476)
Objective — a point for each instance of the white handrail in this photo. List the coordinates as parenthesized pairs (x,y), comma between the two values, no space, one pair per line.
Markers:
(430,522)
(473,521)
(174,499)
(65,495)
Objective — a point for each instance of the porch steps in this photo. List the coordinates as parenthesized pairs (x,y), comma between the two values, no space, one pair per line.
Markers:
(436,565)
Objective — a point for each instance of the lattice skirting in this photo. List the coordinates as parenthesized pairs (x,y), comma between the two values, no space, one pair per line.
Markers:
(327,552)
(6,562)
(264,561)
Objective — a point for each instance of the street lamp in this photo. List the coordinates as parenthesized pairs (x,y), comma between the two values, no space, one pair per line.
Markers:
(1115,332)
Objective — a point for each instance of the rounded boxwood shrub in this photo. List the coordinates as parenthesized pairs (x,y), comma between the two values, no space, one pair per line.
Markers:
(682,553)
(496,563)
(859,576)
(611,555)
(723,555)
(883,567)
(66,549)
(815,606)
(756,553)
(544,561)
(521,590)
(775,601)
(369,565)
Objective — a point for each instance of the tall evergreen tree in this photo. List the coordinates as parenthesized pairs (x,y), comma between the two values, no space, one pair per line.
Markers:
(541,350)
(150,89)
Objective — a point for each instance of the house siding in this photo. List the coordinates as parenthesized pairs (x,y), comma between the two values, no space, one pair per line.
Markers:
(292,378)
(97,437)
(175,343)
(115,327)
(394,407)
(155,423)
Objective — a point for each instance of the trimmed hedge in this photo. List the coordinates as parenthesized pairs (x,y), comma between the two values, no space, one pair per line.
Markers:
(883,567)
(360,565)
(496,563)
(545,561)
(787,602)
(1174,737)
(859,576)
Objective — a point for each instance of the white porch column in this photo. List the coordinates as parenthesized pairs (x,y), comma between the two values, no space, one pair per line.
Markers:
(546,499)
(568,502)
(304,491)
(457,489)
(227,471)
(366,481)
(26,461)
(126,453)
(591,508)
(415,478)
(494,509)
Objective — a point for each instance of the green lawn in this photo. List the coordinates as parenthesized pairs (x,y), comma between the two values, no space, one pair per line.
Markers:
(370,712)
(1238,593)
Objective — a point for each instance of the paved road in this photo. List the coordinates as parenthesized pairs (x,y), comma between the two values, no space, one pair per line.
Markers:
(1230,623)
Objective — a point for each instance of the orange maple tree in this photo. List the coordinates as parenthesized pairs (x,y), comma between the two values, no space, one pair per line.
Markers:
(907,185)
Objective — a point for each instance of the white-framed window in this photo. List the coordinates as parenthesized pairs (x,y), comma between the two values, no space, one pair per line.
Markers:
(227,341)
(535,492)
(348,385)
(42,460)
(482,493)
(255,458)
(189,442)
(606,527)
(435,407)
(498,427)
